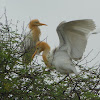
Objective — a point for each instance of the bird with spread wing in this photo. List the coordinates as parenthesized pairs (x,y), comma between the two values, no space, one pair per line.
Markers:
(29,42)
(73,37)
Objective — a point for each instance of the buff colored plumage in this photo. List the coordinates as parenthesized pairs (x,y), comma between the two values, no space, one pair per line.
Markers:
(30,40)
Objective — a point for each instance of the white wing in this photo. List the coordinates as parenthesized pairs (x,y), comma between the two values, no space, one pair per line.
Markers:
(74,35)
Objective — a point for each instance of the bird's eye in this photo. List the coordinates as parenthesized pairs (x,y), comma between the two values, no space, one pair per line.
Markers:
(36,22)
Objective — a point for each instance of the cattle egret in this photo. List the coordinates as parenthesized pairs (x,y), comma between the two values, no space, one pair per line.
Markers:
(73,37)
(30,40)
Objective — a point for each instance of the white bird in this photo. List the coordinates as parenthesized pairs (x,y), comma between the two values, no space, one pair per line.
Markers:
(30,40)
(73,37)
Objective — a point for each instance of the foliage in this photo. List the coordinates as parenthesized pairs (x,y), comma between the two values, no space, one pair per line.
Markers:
(34,82)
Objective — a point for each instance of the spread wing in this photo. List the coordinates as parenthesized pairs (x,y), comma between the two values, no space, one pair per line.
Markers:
(74,35)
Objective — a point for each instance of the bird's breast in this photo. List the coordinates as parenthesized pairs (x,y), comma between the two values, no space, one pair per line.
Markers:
(59,57)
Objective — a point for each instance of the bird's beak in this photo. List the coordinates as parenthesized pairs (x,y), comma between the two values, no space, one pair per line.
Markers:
(42,24)
(34,54)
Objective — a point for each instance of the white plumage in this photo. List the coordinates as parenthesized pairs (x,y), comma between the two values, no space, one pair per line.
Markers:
(73,37)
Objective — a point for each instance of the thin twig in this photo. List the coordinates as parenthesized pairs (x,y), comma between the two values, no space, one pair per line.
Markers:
(91,59)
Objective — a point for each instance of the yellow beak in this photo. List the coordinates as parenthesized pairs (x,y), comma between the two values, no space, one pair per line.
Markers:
(42,24)
(34,54)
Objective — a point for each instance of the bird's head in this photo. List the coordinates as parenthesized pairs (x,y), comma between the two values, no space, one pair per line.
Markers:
(41,46)
(34,23)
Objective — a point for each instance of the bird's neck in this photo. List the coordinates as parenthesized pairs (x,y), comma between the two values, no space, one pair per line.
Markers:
(45,55)
(36,33)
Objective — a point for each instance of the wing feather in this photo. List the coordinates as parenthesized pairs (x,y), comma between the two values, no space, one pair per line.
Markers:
(74,35)
(28,48)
